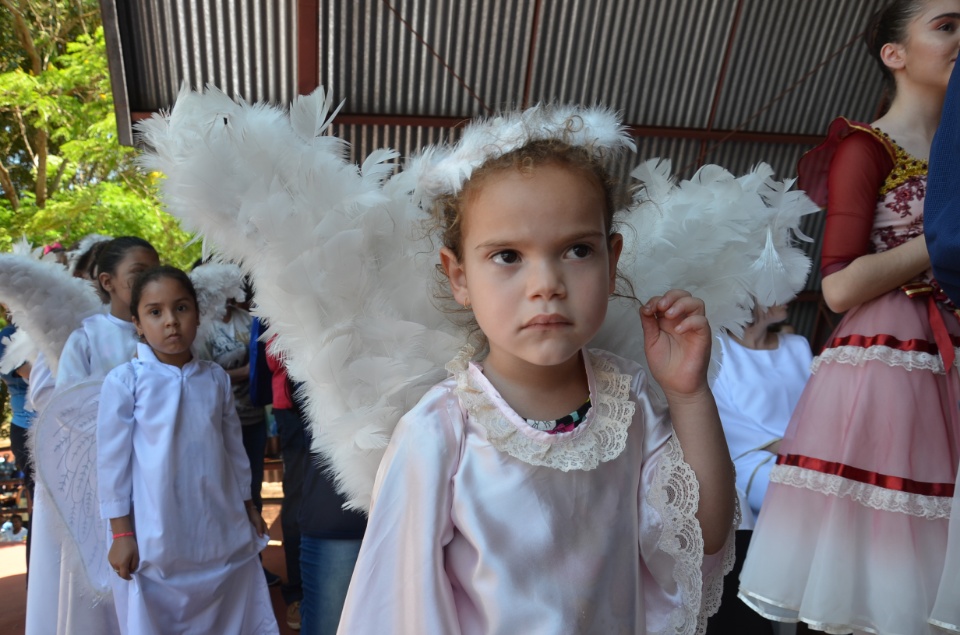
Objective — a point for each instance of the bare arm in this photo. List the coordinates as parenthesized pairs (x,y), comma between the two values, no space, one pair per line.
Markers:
(872,275)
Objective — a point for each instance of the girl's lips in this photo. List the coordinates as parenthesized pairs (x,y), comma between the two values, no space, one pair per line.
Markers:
(547,321)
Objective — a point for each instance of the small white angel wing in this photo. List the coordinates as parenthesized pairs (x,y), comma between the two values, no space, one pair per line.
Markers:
(18,350)
(215,284)
(45,301)
(63,444)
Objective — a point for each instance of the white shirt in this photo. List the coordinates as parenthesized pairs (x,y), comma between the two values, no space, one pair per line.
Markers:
(756,393)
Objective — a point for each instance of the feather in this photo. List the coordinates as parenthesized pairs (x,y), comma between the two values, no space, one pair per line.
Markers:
(18,350)
(45,301)
(215,284)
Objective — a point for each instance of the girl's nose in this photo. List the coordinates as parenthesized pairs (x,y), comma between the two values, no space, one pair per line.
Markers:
(546,279)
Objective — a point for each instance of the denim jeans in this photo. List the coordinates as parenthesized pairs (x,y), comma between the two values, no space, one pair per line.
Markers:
(325,570)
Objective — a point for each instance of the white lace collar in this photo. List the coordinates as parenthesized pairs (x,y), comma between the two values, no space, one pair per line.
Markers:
(601,437)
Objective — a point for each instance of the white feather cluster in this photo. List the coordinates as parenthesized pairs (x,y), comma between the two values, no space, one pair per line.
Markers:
(344,276)
(215,284)
(45,301)
(728,240)
(442,170)
(18,350)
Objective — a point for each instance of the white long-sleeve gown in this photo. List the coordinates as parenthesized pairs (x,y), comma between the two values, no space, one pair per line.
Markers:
(60,599)
(170,453)
(482,524)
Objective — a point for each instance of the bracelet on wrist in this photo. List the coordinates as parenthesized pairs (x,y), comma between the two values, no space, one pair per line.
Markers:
(123,535)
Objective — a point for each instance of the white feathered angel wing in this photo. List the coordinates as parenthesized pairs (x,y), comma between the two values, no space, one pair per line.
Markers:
(45,301)
(19,349)
(728,240)
(215,284)
(339,272)
(63,444)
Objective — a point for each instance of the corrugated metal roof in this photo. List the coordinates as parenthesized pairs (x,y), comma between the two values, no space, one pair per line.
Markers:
(370,57)
(655,61)
(778,43)
(244,47)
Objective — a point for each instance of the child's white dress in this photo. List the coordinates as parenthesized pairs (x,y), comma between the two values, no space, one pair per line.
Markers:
(482,524)
(60,598)
(170,453)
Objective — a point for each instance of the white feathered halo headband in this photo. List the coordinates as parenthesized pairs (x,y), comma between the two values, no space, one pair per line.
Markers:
(443,170)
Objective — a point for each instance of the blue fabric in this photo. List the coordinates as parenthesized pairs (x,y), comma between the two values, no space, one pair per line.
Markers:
(16,387)
(325,568)
(941,207)
(261,377)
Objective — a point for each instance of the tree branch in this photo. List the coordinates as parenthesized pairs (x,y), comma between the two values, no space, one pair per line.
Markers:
(8,190)
(56,179)
(23,131)
(40,187)
(23,33)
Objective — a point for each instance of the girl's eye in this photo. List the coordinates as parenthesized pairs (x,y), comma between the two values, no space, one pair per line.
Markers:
(154,312)
(581,251)
(182,308)
(507,257)
(948,27)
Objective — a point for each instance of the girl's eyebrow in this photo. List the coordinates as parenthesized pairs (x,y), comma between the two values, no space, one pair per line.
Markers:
(955,16)
(498,243)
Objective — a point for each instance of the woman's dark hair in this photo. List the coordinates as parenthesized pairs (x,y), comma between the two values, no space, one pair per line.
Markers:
(159,273)
(110,256)
(889,25)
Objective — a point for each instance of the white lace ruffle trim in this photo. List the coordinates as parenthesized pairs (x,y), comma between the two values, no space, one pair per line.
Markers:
(858,355)
(880,498)
(675,494)
(603,439)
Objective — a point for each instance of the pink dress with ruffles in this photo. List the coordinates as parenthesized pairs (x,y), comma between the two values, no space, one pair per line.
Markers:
(853,531)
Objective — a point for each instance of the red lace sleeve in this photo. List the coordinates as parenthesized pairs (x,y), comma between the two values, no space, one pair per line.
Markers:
(845,174)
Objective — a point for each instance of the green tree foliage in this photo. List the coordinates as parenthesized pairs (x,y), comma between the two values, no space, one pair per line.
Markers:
(63,174)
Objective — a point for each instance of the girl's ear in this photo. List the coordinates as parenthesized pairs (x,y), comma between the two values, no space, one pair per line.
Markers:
(614,247)
(106,281)
(455,274)
(892,55)
(136,323)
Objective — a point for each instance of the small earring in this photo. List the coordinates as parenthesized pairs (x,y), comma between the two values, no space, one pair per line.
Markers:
(466,303)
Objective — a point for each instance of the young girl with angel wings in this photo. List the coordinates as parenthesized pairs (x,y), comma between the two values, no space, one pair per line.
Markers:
(543,486)
(168,432)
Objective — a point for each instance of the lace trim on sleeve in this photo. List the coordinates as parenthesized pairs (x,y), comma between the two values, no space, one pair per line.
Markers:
(602,439)
(675,495)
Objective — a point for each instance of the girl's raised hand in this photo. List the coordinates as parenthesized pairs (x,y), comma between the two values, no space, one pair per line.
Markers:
(677,342)
(124,556)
